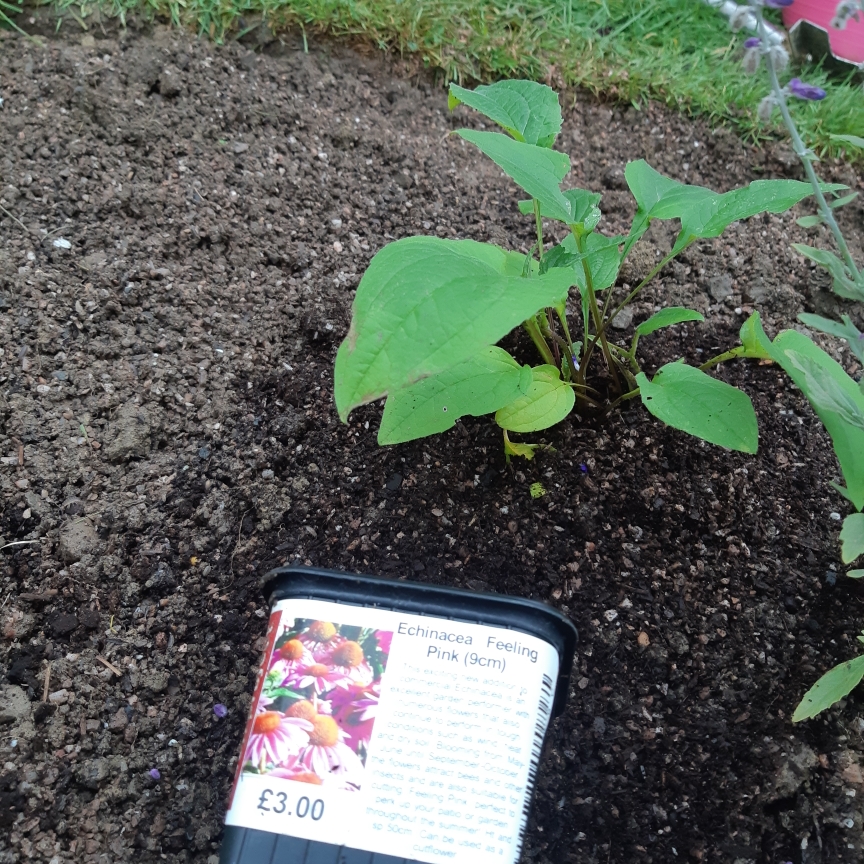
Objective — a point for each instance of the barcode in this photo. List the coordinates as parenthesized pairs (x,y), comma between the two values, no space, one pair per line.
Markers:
(544,709)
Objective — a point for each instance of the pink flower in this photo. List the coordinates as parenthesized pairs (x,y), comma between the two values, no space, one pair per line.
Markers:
(297,772)
(348,658)
(289,658)
(276,738)
(384,638)
(355,710)
(320,637)
(326,754)
(319,677)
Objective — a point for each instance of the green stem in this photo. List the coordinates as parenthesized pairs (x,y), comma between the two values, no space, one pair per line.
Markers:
(539,222)
(632,295)
(632,394)
(571,359)
(731,354)
(533,330)
(595,314)
(803,154)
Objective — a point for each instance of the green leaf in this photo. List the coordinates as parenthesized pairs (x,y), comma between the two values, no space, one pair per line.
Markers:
(761,196)
(558,256)
(855,574)
(480,385)
(426,304)
(537,170)
(852,537)
(823,392)
(648,187)
(844,284)
(756,344)
(830,688)
(666,318)
(518,448)
(547,402)
(603,256)
(584,212)
(687,399)
(524,109)
(854,140)
(848,439)
(809,221)
(284,691)
(704,213)
(847,330)
(842,202)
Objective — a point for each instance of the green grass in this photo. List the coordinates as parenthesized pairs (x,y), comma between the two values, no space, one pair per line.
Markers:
(679,52)
(7,12)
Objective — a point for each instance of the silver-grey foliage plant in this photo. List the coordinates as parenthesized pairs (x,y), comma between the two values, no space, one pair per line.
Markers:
(835,397)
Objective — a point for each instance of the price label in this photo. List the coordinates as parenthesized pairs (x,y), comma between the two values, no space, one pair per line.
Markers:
(402,734)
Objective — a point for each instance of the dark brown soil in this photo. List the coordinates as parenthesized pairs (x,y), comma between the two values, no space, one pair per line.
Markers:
(168,434)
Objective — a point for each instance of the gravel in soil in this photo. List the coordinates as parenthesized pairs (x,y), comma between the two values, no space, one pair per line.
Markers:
(182,229)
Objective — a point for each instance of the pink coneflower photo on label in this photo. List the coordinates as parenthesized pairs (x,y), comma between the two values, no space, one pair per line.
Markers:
(316,711)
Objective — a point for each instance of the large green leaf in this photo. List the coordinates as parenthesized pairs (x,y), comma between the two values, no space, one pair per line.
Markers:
(852,537)
(687,399)
(524,109)
(830,688)
(538,170)
(426,304)
(666,318)
(480,385)
(548,401)
(837,410)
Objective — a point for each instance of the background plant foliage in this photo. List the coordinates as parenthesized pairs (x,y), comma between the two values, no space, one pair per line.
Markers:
(677,51)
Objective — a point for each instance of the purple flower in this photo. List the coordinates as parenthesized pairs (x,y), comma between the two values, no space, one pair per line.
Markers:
(778,4)
(752,42)
(583,468)
(220,710)
(154,774)
(805,91)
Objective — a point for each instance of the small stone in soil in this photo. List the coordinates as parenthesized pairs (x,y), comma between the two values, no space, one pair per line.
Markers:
(77,539)
(623,319)
(720,287)
(89,618)
(129,434)
(64,624)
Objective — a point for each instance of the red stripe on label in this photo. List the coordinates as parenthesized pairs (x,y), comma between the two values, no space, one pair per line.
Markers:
(272,633)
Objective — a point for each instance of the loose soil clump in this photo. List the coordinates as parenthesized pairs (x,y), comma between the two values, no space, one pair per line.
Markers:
(182,229)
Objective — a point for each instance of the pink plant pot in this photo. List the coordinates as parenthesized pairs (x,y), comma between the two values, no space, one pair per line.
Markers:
(845,44)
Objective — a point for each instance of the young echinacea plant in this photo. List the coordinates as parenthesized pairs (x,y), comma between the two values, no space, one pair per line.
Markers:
(428,312)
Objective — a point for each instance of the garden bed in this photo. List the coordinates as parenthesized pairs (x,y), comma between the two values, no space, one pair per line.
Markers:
(185,226)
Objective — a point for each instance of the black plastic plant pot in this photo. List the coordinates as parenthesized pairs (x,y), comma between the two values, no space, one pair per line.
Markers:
(394,722)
